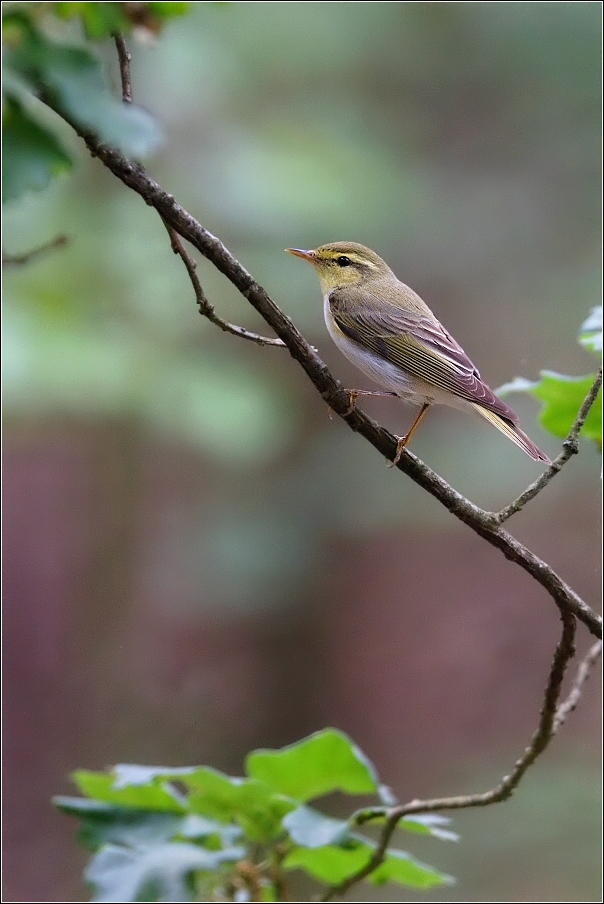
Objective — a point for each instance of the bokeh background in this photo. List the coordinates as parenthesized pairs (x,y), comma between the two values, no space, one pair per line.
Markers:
(198,560)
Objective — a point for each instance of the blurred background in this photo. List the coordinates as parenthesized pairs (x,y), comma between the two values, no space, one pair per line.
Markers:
(198,560)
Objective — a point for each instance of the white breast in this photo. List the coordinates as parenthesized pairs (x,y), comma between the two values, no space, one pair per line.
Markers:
(384,373)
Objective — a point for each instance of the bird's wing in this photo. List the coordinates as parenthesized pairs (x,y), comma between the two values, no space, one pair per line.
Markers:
(418,344)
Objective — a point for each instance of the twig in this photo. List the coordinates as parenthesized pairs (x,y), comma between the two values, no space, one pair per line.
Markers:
(574,696)
(205,308)
(483,523)
(27,256)
(570,447)
(124,58)
(276,872)
(547,728)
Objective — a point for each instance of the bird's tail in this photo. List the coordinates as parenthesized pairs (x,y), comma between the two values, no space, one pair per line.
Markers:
(514,433)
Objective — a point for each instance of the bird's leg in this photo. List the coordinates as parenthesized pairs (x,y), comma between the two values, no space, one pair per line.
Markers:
(403,440)
(353,395)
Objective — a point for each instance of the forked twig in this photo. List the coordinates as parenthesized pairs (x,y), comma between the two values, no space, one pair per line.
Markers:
(205,308)
(551,717)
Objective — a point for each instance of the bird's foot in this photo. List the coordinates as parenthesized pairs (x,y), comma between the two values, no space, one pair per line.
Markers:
(353,395)
(400,445)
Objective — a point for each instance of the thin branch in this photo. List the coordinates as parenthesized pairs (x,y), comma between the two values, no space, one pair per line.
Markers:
(483,523)
(570,447)
(574,696)
(205,308)
(19,259)
(276,874)
(124,58)
(547,728)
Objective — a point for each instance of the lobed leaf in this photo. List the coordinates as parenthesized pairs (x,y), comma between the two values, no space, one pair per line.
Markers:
(132,774)
(563,397)
(325,761)
(159,872)
(250,803)
(100,786)
(333,865)
(329,864)
(401,867)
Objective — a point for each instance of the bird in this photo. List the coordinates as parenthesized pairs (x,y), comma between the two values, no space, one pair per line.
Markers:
(385,329)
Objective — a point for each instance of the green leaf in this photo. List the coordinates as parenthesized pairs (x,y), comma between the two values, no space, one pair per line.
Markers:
(159,872)
(31,155)
(125,774)
(84,807)
(168,10)
(100,785)
(250,803)
(103,20)
(406,870)
(329,864)
(134,828)
(334,864)
(563,397)
(428,824)
(75,80)
(590,334)
(311,829)
(104,823)
(325,761)
(200,827)
(100,20)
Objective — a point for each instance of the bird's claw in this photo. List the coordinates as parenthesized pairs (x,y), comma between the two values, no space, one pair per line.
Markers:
(400,446)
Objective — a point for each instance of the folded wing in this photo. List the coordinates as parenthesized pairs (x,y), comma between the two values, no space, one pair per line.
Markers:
(420,346)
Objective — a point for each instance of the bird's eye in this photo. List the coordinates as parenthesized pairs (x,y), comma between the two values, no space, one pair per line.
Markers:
(343,261)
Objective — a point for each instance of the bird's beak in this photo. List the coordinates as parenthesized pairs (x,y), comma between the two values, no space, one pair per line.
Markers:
(299,252)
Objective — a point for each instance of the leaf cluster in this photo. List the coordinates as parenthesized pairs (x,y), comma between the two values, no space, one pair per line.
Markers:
(36,65)
(194,833)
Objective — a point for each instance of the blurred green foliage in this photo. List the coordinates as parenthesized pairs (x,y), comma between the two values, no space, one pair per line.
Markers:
(31,155)
(236,837)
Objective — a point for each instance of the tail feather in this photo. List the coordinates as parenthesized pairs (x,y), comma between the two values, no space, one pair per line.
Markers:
(513,432)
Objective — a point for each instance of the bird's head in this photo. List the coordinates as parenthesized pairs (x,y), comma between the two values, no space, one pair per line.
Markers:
(341,264)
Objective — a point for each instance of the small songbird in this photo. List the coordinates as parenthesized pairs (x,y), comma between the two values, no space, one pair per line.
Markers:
(384,327)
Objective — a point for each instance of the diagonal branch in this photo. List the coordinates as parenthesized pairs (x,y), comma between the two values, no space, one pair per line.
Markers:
(570,447)
(549,722)
(483,523)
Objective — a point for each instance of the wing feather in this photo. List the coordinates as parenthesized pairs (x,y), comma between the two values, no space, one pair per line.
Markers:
(417,343)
